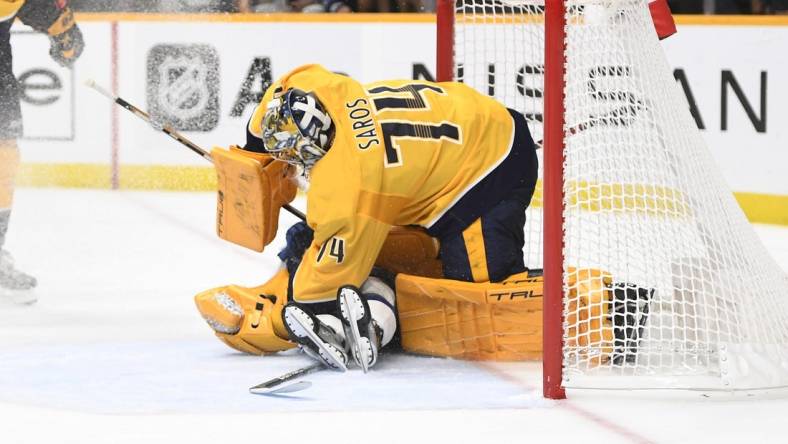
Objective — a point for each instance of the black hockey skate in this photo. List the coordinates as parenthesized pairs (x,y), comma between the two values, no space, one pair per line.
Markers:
(362,332)
(15,286)
(317,339)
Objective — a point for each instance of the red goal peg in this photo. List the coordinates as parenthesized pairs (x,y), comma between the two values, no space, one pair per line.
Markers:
(662,18)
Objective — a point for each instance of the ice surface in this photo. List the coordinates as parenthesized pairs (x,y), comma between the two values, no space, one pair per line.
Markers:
(115,352)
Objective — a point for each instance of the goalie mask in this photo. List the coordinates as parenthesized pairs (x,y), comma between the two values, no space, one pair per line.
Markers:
(297,129)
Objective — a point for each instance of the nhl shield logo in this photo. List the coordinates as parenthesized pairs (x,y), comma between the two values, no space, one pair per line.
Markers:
(183,86)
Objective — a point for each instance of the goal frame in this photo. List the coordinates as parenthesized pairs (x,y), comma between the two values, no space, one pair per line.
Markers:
(553,191)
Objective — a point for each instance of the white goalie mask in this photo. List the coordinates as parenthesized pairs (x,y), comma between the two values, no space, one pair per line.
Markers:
(297,129)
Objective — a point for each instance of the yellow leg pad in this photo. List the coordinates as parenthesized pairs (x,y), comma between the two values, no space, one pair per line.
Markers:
(589,332)
(466,320)
(9,163)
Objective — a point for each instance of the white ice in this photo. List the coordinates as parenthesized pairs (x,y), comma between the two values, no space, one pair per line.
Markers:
(115,352)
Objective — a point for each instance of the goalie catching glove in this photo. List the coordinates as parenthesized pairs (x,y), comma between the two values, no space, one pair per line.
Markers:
(248,319)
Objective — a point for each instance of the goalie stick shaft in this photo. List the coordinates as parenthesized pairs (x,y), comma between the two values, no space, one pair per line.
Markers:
(166,129)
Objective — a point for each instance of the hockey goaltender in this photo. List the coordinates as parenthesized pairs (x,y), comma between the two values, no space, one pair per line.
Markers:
(416,196)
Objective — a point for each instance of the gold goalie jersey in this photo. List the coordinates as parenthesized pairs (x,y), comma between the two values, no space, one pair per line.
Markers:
(405,153)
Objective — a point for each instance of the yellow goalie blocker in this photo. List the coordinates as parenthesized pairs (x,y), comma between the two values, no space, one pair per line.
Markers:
(251,190)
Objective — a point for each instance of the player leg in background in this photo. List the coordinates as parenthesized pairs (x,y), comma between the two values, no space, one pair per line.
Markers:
(14,285)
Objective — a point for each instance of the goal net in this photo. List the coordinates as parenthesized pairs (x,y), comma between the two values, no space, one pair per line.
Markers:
(663,282)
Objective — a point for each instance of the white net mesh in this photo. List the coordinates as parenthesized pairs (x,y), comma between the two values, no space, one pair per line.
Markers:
(665,282)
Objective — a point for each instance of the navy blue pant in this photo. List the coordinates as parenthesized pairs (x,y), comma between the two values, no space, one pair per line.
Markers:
(490,249)
(482,236)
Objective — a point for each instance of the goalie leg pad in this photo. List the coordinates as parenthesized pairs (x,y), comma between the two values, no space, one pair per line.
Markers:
(466,320)
(503,321)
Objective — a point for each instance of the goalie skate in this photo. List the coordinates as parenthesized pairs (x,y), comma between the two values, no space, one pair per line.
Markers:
(317,339)
(363,334)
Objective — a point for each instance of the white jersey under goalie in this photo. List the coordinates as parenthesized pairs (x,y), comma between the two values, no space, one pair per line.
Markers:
(644,202)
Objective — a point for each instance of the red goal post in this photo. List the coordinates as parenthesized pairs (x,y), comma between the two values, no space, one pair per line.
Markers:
(653,276)
(553,195)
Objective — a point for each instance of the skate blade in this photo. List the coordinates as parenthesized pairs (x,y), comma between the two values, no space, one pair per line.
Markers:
(337,364)
(279,390)
(363,359)
(17,297)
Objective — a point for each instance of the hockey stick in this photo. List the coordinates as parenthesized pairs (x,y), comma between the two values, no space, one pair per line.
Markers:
(166,129)
(278,385)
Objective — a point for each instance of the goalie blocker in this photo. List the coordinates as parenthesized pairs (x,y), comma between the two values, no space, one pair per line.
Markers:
(251,190)
(443,317)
